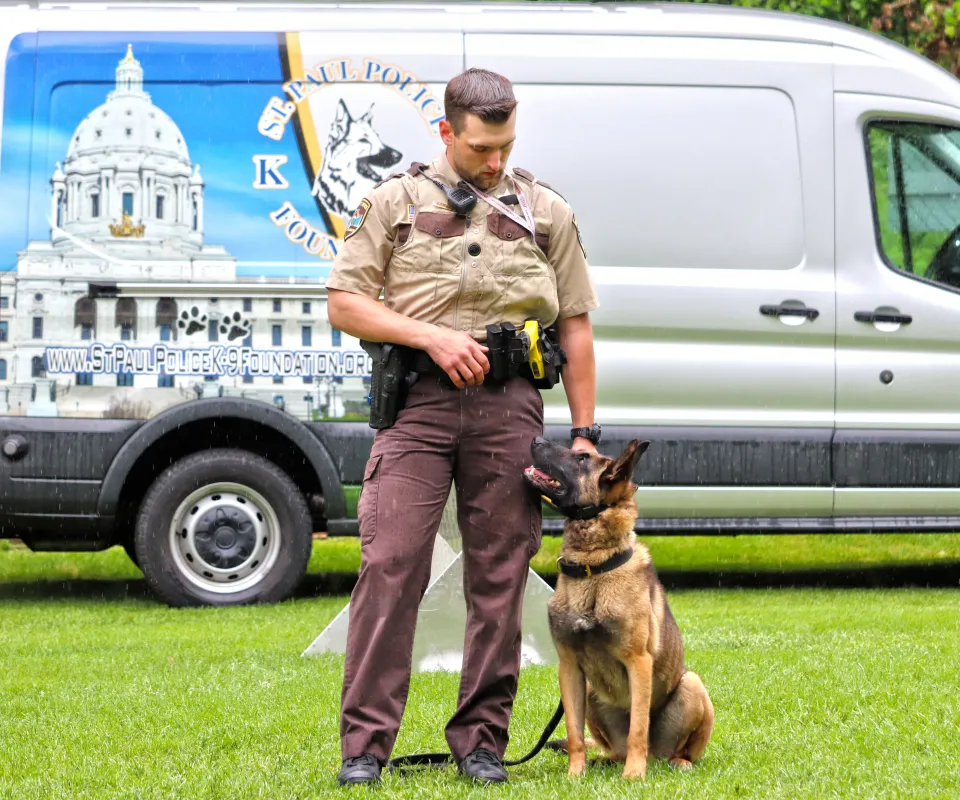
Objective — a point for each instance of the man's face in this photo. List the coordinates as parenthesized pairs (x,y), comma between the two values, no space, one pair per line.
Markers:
(480,150)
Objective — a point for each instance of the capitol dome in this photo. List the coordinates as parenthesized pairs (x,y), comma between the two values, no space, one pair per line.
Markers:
(128,121)
(128,175)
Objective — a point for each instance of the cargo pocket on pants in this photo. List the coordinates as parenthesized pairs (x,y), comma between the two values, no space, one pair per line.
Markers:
(367,502)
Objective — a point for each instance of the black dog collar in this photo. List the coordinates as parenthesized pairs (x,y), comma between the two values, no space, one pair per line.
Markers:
(586,571)
(583,512)
(579,512)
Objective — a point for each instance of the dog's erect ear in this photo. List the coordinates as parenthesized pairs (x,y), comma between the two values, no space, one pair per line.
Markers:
(622,467)
(341,122)
(368,117)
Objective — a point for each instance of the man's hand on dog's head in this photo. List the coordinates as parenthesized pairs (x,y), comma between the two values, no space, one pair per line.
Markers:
(582,445)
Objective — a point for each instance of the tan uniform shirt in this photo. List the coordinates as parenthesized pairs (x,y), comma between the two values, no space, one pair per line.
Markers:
(405,240)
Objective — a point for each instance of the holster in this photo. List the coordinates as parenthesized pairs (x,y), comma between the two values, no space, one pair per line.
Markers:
(553,358)
(390,381)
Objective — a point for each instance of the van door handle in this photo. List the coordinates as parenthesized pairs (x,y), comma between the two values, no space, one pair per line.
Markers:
(789,311)
(882,316)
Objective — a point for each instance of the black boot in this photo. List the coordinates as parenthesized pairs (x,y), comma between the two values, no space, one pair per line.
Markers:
(483,766)
(362,769)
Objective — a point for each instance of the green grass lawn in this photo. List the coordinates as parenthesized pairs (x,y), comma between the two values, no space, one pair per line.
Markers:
(105,693)
(836,693)
(728,553)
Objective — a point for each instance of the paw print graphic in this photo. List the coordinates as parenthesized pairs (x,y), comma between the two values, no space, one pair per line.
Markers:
(235,326)
(192,321)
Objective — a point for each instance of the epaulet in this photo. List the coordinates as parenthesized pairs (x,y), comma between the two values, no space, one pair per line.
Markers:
(388,178)
(528,176)
(522,173)
(412,171)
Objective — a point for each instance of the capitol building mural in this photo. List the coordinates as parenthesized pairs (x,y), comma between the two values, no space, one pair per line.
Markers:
(127,207)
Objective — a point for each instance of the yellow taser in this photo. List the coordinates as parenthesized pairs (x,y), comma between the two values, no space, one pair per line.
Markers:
(532,330)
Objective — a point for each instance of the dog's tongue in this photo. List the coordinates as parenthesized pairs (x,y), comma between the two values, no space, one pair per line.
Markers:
(540,475)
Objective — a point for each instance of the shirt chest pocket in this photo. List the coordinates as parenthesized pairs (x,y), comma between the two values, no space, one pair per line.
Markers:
(434,243)
(510,248)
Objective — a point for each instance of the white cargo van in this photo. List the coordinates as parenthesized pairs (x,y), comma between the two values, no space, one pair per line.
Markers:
(769,203)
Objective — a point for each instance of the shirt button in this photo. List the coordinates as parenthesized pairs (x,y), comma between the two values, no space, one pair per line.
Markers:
(474,249)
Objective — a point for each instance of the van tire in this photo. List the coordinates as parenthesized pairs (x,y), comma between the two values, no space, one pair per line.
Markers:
(223,527)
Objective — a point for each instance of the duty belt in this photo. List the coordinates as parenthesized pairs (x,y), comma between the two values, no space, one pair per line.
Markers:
(421,363)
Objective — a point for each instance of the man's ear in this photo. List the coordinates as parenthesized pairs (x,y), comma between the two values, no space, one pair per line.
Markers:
(621,469)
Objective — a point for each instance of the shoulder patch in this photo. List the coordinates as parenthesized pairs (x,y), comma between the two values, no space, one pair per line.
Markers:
(579,237)
(359,217)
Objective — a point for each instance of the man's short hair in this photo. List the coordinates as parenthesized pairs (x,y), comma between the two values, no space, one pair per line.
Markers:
(477,91)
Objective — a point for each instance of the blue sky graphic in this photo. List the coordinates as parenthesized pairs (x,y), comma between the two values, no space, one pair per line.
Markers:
(214,87)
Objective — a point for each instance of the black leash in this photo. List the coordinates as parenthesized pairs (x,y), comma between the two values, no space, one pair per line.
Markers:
(443,759)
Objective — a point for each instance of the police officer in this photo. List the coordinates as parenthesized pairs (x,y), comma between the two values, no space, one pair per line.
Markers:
(516,255)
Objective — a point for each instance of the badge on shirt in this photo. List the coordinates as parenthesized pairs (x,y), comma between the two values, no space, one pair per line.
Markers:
(358,218)
(411,213)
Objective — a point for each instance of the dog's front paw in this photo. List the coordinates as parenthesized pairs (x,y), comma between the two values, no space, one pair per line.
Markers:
(635,772)
(577,764)
(680,763)
(577,770)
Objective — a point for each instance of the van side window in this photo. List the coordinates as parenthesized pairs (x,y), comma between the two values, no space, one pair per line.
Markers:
(915,169)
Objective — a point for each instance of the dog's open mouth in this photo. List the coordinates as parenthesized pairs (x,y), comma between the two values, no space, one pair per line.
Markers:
(543,482)
(364,169)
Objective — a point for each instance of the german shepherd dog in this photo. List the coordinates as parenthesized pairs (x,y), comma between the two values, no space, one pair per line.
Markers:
(621,655)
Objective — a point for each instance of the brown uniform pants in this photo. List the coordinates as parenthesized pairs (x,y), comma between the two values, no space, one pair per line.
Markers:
(480,438)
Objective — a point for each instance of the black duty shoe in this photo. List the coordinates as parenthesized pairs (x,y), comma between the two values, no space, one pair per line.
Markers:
(362,769)
(483,766)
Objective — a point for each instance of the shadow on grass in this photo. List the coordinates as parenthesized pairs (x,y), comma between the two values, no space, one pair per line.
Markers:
(888,576)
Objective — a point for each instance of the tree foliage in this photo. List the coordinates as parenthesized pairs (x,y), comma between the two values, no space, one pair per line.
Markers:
(928,27)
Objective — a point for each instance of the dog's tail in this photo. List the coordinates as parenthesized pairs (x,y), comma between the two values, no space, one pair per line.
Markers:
(697,742)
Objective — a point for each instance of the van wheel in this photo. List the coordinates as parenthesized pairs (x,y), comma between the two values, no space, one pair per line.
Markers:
(223,527)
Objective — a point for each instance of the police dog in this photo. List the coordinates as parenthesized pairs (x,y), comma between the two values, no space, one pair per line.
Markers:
(354,161)
(621,655)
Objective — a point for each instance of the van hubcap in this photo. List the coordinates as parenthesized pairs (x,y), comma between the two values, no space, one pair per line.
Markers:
(225,537)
